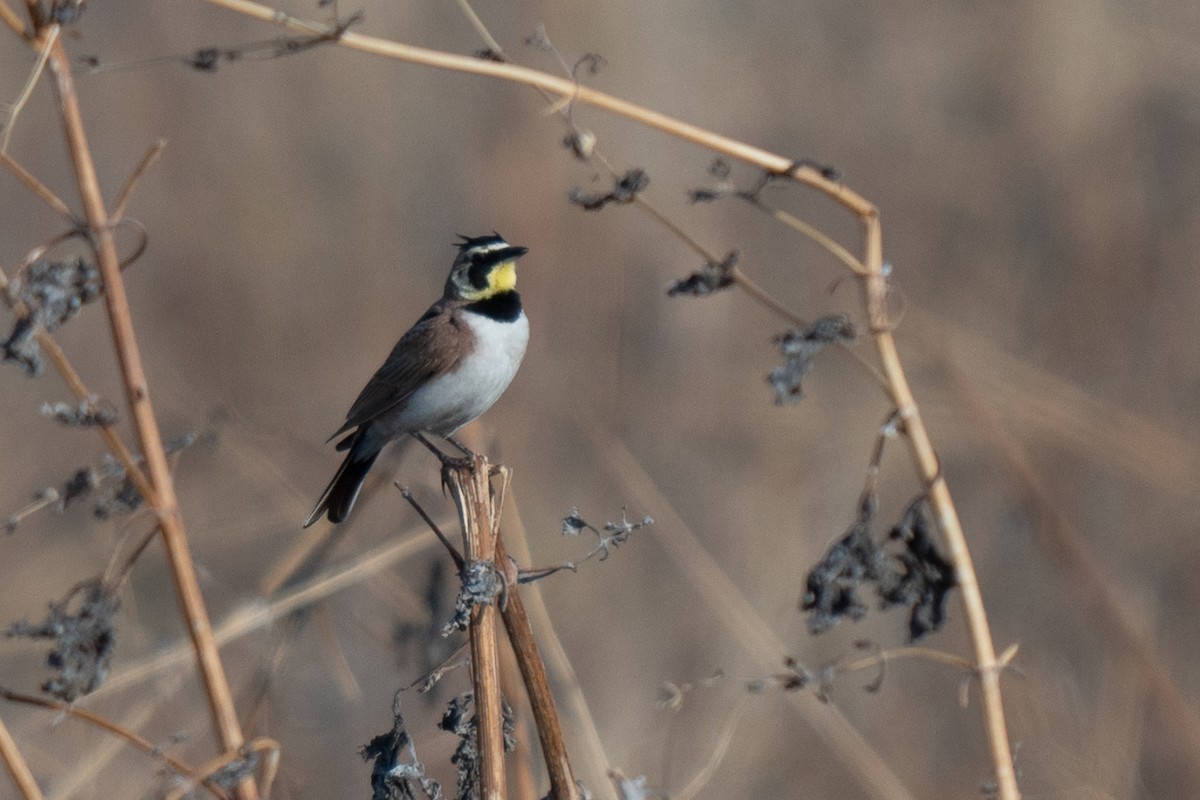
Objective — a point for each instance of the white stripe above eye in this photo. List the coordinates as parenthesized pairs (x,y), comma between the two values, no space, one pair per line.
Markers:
(490,247)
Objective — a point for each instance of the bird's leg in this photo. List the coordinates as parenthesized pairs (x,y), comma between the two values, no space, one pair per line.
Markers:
(466,451)
(447,460)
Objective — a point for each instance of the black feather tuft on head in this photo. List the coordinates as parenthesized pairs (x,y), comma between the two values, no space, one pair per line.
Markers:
(469,242)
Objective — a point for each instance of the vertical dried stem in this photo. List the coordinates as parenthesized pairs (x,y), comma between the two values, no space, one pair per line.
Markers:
(17,766)
(472,493)
(537,685)
(162,498)
(874,287)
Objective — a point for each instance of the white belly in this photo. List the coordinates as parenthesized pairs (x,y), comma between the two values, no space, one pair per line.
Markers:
(449,402)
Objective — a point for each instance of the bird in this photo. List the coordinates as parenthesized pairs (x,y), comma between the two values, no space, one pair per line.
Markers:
(446,370)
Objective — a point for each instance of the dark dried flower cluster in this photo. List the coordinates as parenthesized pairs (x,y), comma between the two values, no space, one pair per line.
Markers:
(461,721)
(613,535)
(725,187)
(625,190)
(710,278)
(799,347)
(233,773)
(84,639)
(113,490)
(917,577)
(481,583)
(90,412)
(52,292)
(391,777)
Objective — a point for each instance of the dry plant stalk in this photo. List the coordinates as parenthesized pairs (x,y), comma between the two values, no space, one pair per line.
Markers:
(471,487)
(537,683)
(160,493)
(17,766)
(479,510)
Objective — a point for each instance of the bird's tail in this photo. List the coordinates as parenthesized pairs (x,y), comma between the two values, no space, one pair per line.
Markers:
(339,496)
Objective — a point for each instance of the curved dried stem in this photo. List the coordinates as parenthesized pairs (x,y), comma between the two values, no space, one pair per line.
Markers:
(145,745)
(874,293)
(733,148)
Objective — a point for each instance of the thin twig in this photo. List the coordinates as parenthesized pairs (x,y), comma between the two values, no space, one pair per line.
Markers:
(701,778)
(254,616)
(13,21)
(126,192)
(146,746)
(818,236)
(17,766)
(263,748)
(433,526)
(9,124)
(37,187)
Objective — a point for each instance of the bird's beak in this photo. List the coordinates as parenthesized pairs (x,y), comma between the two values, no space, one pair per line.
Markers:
(511,253)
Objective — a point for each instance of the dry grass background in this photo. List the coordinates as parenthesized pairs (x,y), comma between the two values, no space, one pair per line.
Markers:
(1036,167)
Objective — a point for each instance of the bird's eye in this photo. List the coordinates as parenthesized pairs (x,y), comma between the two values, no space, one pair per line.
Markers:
(477,273)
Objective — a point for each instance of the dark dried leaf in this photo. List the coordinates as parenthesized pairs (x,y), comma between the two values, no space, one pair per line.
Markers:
(924,579)
(799,347)
(918,577)
(52,292)
(625,190)
(236,771)
(481,583)
(460,719)
(710,278)
(591,62)
(206,59)
(87,413)
(539,40)
(833,585)
(720,169)
(392,778)
(66,12)
(573,524)
(84,640)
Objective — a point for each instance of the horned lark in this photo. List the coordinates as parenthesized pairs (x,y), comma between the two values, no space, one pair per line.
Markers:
(445,371)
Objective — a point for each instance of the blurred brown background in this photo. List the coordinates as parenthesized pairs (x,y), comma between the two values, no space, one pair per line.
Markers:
(1037,168)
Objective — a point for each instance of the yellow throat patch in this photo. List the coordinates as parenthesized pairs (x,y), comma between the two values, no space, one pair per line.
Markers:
(503,278)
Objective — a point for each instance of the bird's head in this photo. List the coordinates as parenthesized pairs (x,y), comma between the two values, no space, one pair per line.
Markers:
(484,267)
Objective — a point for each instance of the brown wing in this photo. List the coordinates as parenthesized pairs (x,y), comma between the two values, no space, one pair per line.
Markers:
(437,338)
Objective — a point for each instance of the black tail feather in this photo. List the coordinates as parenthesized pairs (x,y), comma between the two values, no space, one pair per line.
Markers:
(339,496)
